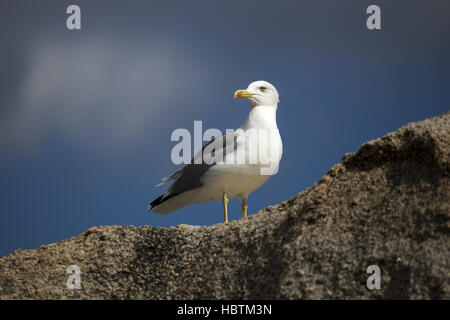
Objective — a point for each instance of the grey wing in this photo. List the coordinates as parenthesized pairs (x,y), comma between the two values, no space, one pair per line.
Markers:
(190,177)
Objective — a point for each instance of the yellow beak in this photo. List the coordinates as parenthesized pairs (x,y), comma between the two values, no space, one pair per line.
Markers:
(242,94)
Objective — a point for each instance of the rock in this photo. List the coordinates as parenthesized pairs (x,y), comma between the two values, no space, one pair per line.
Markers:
(386,205)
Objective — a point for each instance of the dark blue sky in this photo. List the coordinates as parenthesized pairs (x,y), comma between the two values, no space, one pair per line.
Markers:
(86,116)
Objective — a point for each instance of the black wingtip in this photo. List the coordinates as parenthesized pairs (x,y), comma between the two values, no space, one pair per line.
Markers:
(154,203)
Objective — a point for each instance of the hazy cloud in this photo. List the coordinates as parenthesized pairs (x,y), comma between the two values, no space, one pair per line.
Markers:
(97,92)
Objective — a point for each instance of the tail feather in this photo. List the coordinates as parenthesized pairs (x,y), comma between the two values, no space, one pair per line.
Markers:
(161,199)
(155,202)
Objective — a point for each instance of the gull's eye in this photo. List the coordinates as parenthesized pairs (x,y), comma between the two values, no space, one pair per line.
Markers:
(262,89)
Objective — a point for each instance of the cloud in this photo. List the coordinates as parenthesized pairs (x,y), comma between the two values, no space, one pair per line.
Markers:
(98,92)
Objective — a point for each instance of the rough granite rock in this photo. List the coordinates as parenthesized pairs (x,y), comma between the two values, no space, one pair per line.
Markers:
(387,204)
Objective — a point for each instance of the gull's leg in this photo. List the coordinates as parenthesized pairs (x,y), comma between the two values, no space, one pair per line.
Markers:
(244,207)
(225,207)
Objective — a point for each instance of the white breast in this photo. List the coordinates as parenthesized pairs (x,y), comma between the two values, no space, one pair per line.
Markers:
(255,159)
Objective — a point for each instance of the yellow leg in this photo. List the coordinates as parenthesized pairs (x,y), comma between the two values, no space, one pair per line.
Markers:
(244,208)
(225,207)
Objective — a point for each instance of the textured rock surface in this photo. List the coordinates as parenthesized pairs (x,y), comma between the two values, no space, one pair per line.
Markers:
(387,204)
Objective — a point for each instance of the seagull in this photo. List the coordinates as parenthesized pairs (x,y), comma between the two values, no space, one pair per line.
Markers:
(234,164)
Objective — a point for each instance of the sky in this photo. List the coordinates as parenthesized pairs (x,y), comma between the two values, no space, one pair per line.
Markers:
(86,115)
